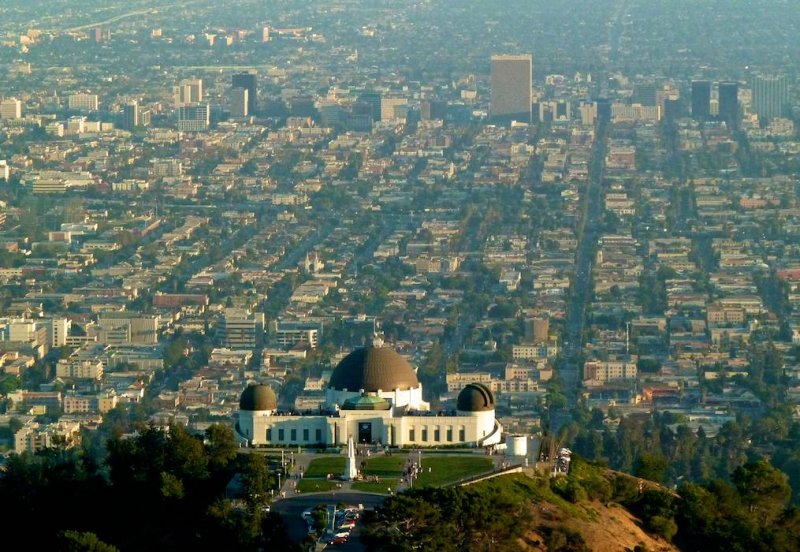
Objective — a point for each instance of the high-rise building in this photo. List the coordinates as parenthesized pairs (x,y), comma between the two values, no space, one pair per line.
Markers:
(249,82)
(701,100)
(372,101)
(644,93)
(770,96)
(11,108)
(82,102)
(194,118)
(511,86)
(130,116)
(239,102)
(189,91)
(729,102)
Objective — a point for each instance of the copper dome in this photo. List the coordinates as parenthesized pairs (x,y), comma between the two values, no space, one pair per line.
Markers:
(373,369)
(475,397)
(258,397)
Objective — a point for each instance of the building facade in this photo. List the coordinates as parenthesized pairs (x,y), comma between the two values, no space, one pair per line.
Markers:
(373,396)
(511,87)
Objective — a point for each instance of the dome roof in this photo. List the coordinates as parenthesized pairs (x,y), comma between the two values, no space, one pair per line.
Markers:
(475,397)
(258,397)
(373,369)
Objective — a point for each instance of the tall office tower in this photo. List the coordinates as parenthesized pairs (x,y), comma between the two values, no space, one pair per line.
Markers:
(644,93)
(194,118)
(373,101)
(729,103)
(82,102)
(770,96)
(511,87)
(189,91)
(239,102)
(701,100)
(11,108)
(130,116)
(248,82)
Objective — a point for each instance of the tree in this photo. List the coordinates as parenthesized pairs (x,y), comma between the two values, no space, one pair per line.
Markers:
(74,541)
(764,489)
(255,479)
(651,466)
(221,447)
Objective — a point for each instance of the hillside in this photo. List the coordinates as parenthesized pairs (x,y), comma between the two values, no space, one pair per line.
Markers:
(601,527)
(518,512)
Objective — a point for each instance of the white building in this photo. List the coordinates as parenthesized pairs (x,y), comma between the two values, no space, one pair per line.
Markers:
(10,108)
(83,102)
(373,396)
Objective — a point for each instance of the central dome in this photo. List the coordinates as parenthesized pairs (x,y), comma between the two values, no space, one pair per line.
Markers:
(373,369)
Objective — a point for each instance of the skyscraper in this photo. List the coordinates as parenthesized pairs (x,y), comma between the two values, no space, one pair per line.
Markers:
(249,82)
(701,100)
(130,115)
(372,103)
(189,91)
(729,103)
(770,96)
(511,87)
(239,100)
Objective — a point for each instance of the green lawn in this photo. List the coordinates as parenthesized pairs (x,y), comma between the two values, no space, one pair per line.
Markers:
(373,487)
(321,467)
(316,485)
(450,469)
(386,466)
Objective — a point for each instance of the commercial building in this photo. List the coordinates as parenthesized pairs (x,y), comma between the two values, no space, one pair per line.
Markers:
(239,99)
(511,87)
(189,91)
(241,329)
(701,100)
(729,102)
(83,102)
(770,96)
(10,108)
(249,82)
(194,118)
(130,116)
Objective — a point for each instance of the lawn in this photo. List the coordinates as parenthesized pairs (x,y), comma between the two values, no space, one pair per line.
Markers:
(321,467)
(316,485)
(373,487)
(450,469)
(386,466)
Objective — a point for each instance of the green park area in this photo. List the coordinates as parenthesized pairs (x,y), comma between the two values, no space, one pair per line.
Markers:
(381,486)
(316,485)
(321,467)
(385,466)
(443,470)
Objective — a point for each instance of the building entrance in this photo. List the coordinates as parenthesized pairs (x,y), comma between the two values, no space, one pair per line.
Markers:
(365,432)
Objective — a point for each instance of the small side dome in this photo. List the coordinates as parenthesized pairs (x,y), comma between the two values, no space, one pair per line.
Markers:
(258,397)
(475,397)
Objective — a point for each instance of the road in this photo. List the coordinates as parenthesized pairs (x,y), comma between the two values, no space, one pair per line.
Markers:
(581,289)
(290,510)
